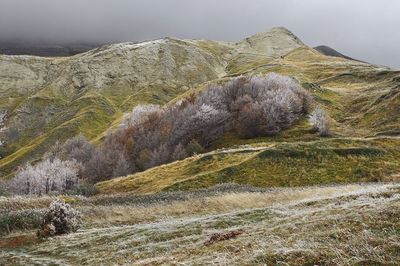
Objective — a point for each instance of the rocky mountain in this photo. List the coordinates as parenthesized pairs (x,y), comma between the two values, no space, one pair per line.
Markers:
(44,100)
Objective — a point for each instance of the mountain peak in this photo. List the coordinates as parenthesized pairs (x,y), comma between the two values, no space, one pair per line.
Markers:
(274,42)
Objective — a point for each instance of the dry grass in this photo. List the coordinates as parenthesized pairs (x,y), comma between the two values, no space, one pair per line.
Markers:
(336,225)
(217,204)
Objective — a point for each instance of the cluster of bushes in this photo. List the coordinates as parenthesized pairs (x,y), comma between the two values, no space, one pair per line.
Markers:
(151,136)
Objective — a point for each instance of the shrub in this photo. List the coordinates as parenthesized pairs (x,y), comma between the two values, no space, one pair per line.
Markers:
(48,176)
(77,148)
(85,189)
(3,189)
(59,219)
(194,147)
(320,122)
(139,114)
(179,152)
(20,220)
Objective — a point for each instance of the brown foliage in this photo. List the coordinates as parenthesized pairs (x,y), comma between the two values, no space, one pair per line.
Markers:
(223,236)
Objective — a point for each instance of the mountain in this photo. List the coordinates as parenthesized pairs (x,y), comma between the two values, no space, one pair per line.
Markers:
(326,50)
(44,49)
(45,100)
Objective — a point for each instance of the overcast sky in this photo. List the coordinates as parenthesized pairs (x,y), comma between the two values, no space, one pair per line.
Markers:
(364,29)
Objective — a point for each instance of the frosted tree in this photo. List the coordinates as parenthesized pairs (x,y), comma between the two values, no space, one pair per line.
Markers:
(48,176)
(139,114)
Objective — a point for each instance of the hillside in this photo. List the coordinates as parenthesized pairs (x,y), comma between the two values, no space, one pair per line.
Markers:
(328,225)
(49,99)
(54,99)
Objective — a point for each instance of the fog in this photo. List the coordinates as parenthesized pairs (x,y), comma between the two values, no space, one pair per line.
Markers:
(362,29)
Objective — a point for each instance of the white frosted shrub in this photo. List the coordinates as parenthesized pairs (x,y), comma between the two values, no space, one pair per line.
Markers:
(60,218)
(320,122)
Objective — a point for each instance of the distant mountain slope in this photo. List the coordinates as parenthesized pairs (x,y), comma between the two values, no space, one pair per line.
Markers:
(326,50)
(50,99)
(45,49)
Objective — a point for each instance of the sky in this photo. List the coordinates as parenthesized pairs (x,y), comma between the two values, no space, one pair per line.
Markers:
(362,29)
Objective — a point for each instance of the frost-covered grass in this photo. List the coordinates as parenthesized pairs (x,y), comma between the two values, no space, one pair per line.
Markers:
(331,225)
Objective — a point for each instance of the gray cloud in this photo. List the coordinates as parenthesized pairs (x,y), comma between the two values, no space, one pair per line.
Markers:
(363,29)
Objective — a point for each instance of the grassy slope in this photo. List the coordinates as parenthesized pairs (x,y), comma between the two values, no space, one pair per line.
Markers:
(352,224)
(270,164)
(335,225)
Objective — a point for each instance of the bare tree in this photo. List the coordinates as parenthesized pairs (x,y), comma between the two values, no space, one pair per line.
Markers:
(139,114)
(78,148)
(179,152)
(48,176)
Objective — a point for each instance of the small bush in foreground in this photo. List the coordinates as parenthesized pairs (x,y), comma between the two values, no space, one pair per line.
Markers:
(320,122)
(59,219)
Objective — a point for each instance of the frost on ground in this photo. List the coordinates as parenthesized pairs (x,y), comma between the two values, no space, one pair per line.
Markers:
(3,115)
(334,225)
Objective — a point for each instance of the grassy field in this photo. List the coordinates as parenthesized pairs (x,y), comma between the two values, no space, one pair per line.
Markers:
(326,225)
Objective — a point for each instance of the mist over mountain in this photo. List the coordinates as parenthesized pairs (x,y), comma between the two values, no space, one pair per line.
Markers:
(44,49)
